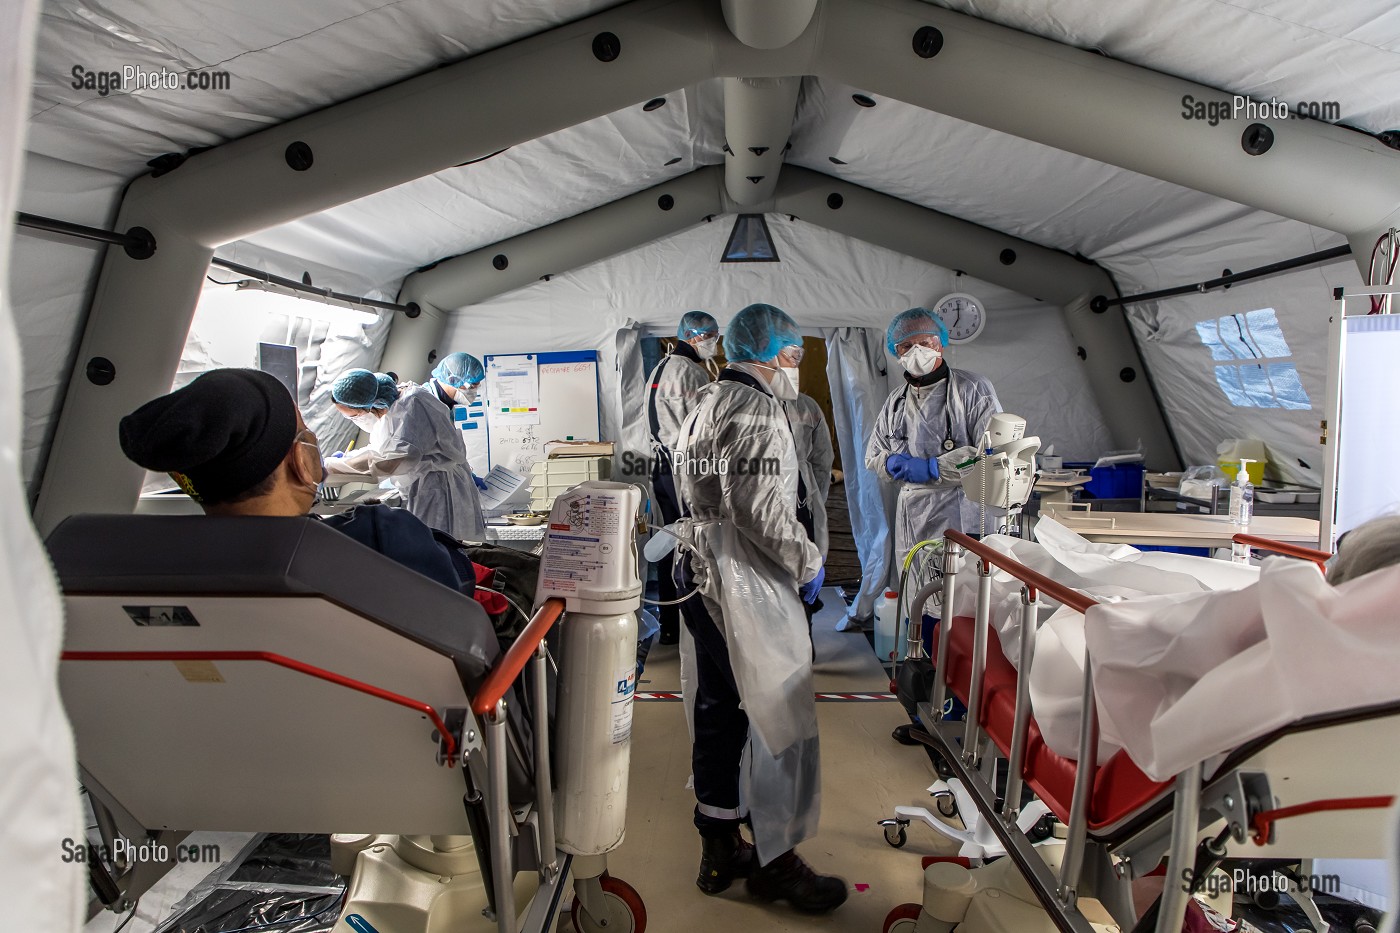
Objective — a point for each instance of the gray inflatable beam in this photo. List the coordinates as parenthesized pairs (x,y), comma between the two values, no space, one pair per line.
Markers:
(585,238)
(1107,110)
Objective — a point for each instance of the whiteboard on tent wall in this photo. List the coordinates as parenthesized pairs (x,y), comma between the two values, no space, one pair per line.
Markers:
(566,399)
(1361,480)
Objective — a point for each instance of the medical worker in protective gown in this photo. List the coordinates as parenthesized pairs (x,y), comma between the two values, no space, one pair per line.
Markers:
(815,455)
(750,560)
(414,444)
(925,428)
(457,381)
(672,392)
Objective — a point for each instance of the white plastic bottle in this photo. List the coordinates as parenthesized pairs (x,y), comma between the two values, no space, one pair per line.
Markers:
(1242,497)
(887,626)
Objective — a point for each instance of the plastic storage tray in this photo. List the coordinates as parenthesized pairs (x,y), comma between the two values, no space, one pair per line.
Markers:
(555,475)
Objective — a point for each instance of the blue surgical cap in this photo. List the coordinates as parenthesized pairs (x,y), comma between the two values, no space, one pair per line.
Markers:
(695,323)
(359,388)
(459,369)
(388,390)
(759,332)
(912,323)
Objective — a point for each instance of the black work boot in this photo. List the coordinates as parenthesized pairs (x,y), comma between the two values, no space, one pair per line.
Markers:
(722,859)
(789,878)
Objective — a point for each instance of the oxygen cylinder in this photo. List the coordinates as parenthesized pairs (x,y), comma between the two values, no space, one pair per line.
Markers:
(590,561)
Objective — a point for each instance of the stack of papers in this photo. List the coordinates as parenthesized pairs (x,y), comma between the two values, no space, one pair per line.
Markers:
(578,448)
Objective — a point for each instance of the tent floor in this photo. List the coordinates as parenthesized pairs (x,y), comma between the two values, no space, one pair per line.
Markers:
(864,776)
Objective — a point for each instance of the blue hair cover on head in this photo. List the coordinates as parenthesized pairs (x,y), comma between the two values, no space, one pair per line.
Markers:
(459,369)
(359,388)
(912,323)
(695,323)
(759,332)
(388,390)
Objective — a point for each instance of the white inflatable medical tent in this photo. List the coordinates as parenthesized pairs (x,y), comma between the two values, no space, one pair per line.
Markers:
(533,175)
(900,151)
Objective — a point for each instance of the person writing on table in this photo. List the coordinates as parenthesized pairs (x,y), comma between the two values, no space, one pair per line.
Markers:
(932,422)
(414,444)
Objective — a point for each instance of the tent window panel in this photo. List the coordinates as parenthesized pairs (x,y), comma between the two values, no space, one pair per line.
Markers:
(1257,389)
(1236,338)
(1265,333)
(1288,388)
(1209,332)
(1257,374)
(1228,378)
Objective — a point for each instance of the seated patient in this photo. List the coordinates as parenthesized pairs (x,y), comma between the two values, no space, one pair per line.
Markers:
(236,443)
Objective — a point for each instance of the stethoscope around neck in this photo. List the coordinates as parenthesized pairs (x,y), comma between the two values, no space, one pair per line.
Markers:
(948,442)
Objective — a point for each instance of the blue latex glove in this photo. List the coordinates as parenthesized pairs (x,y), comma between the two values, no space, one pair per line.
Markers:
(480,483)
(812,587)
(338,453)
(920,470)
(895,465)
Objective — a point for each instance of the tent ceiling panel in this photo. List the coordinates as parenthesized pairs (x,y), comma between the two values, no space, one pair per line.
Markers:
(1024,188)
(283,59)
(385,236)
(1292,50)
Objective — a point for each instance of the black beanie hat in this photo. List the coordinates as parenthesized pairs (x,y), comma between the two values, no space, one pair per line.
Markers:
(218,436)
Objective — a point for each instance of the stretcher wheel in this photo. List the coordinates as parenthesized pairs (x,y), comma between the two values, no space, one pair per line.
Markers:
(947,804)
(902,919)
(626,912)
(896,836)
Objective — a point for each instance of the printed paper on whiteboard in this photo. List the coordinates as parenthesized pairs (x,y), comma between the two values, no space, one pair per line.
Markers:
(513,389)
(501,484)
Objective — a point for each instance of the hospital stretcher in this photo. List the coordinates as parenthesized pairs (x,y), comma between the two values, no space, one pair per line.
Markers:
(271,674)
(1288,794)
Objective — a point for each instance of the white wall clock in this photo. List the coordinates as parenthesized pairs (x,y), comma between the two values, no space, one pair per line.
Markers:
(963,315)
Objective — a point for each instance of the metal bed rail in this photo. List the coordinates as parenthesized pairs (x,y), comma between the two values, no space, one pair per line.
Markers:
(1249,542)
(1057,895)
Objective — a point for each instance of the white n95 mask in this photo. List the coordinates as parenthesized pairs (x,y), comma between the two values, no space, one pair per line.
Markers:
(707,348)
(784,384)
(365,421)
(468,393)
(920,360)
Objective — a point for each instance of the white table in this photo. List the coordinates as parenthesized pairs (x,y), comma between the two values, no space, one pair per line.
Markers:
(1181,529)
(1059,491)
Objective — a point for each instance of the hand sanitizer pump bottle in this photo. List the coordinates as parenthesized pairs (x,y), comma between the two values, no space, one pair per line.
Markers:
(1242,497)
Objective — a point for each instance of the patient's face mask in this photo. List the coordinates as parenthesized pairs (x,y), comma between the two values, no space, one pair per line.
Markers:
(365,421)
(310,447)
(920,360)
(707,348)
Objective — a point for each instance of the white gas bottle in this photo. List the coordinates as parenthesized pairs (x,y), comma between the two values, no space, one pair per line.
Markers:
(887,626)
(590,561)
